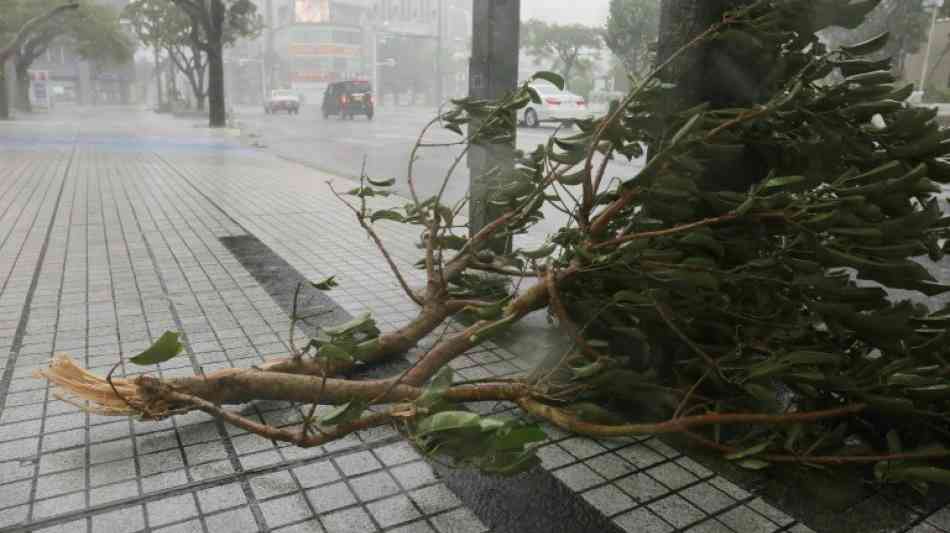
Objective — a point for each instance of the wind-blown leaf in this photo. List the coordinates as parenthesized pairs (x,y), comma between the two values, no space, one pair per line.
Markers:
(164,349)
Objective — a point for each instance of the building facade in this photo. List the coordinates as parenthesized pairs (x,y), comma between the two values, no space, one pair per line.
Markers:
(401,45)
(72,79)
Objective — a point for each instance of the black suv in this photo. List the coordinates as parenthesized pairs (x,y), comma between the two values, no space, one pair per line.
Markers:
(348,99)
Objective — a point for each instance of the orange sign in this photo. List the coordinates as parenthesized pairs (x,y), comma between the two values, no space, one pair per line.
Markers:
(313,76)
(323,50)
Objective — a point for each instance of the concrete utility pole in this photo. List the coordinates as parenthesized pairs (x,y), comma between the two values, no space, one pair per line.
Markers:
(493,73)
(440,42)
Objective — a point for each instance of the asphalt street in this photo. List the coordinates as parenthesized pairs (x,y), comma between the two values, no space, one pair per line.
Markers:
(340,146)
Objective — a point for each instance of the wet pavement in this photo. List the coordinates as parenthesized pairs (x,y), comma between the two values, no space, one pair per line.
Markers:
(117,225)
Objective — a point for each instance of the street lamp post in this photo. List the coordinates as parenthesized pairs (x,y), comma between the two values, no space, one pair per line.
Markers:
(439,73)
(935,5)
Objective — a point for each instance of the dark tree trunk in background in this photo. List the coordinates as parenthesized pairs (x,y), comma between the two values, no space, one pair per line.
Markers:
(23,88)
(217,113)
(709,74)
(705,73)
(158,79)
(4,95)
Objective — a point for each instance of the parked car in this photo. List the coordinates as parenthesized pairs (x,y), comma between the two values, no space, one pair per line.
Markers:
(599,102)
(282,100)
(348,99)
(556,106)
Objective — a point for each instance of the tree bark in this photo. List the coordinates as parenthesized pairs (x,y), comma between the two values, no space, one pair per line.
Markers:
(217,114)
(4,95)
(158,78)
(23,88)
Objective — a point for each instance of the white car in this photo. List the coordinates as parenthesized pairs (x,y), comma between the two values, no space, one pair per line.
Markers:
(556,106)
(282,100)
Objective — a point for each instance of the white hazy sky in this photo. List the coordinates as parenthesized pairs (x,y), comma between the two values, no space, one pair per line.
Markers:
(589,12)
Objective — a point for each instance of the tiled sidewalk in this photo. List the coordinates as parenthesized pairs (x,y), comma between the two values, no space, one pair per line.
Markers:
(110,234)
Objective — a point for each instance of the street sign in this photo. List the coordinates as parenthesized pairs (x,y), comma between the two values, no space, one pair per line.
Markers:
(39,87)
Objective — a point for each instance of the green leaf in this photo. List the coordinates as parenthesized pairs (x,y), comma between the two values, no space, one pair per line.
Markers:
(551,77)
(515,435)
(776,183)
(869,46)
(686,129)
(360,323)
(754,464)
(386,214)
(897,474)
(326,285)
(749,452)
(435,391)
(344,414)
(164,349)
(382,183)
(449,421)
(333,352)
(539,253)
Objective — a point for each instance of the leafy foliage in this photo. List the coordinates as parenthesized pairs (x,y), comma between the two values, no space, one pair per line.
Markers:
(770,299)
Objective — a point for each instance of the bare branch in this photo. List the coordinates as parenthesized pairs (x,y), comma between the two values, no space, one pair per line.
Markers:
(31,26)
(361,218)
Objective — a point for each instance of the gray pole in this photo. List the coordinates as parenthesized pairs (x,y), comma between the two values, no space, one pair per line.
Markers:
(493,73)
(439,74)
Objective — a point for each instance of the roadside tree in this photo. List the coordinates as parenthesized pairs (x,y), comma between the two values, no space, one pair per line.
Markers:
(93,31)
(14,34)
(215,25)
(631,33)
(564,46)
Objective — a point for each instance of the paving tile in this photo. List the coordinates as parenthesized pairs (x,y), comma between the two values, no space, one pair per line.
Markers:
(239,520)
(274,484)
(435,499)
(396,454)
(641,487)
(221,497)
(330,497)
(374,486)
(578,477)
(191,526)
(125,520)
(59,505)
(677,511)
(352,520)
(170,510)
(357,463)
(285,510)
(307,526)
(609,500)
(393,511)
(707,497)
(314,474)
(413,475)
(458,521)
(642,521)
(744,519)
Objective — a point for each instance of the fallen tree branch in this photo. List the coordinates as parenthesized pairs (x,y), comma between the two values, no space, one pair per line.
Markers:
(569,422)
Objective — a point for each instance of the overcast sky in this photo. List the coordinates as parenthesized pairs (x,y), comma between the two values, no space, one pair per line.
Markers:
(589,12)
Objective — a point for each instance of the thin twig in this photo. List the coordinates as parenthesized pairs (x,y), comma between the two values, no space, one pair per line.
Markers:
(667,315)
(571,423)
(382,248)
(689,394)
